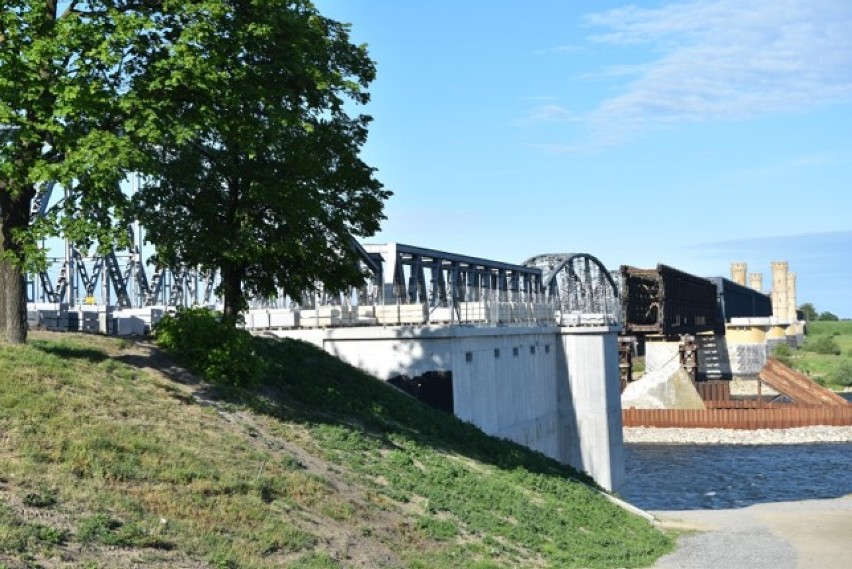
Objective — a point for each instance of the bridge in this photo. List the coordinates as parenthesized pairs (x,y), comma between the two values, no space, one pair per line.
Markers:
(526,351)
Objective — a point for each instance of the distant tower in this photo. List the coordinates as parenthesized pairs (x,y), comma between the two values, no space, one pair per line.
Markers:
(779,289)
(738,273)
(755,281)
(791,297)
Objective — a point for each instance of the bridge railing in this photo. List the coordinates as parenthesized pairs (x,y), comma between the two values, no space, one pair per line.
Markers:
(404,285)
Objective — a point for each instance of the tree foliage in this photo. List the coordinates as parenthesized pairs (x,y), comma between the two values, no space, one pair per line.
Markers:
(237,110)
(259,174)
(828,316)
(68,110)
(809,311)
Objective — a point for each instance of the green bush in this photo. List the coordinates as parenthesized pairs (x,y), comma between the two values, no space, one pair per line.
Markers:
(783,353)
(210,347)
(822,345)
(841,374)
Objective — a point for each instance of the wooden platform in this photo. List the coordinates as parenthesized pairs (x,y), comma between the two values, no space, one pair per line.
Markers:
(797,386)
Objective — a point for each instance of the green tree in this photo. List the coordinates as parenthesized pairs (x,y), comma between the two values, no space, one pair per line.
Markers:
(828,316)
(809,311)
(67,104)
(259,174)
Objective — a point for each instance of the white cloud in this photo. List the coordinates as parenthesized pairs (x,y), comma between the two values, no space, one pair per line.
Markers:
(548,114)
(721,60)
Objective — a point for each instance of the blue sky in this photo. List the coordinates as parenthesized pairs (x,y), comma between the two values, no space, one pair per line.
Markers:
(688,133)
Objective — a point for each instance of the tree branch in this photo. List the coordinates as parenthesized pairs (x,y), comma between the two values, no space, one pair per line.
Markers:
(71,9)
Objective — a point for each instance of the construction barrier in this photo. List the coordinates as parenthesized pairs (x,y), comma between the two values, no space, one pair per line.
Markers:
(776,416)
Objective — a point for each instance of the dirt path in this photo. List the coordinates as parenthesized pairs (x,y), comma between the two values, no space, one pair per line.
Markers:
(811,534)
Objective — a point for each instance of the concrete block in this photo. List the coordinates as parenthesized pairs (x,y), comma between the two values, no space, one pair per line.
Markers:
(149,316)
(365,311)
(106,323)
(361,315)
(61,306)
(412,313)
(281,318)
(568,318)
(321,317)
(387,314)
(441,315)
(125,324)
(33,318)
(593,319)
(257,320)
(91,326)
(395,314)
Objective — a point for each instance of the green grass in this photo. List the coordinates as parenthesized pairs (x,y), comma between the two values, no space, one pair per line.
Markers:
(319,467)
(832,370)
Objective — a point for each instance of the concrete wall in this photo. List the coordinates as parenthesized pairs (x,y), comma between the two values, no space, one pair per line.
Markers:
(659,354)
(746,347)
(555,390)
(595,400)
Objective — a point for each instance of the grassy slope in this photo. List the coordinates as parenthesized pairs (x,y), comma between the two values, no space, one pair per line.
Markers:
(820,365)
(105,462)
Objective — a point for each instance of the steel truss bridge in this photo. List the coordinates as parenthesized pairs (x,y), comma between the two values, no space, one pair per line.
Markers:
(432,285)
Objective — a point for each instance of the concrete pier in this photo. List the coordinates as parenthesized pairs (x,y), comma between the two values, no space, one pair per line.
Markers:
(553,389)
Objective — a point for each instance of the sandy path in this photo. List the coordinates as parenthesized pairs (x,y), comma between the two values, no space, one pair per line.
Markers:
(811,534)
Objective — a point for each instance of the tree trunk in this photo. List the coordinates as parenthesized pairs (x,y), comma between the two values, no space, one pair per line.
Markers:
(232,285)
(5,200)
(3,270)
(15,215)
(14,288)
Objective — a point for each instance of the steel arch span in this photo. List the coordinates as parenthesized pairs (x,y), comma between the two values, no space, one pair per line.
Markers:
(579,284)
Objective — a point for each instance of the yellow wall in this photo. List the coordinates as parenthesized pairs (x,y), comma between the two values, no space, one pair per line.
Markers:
(777,332)
(745,334)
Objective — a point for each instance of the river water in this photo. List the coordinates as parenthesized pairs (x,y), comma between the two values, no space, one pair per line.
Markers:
(695,477)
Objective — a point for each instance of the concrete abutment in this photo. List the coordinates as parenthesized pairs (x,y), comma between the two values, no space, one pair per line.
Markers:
(553,389)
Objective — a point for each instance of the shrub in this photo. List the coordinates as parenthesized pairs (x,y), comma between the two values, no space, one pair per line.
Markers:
(841,374)
(822,345)
(782,350)
(217,351)
(783,353)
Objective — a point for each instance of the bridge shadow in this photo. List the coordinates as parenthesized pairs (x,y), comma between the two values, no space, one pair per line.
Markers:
(306,379)
(330,397)
(69,352)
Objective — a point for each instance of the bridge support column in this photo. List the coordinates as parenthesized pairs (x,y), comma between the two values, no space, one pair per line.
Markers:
(594,399)
(747,344)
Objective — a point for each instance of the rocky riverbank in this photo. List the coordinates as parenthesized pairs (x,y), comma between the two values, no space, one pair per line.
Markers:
(802,435)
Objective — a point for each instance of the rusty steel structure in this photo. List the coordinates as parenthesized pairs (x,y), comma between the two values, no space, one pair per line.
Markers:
(667,302)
